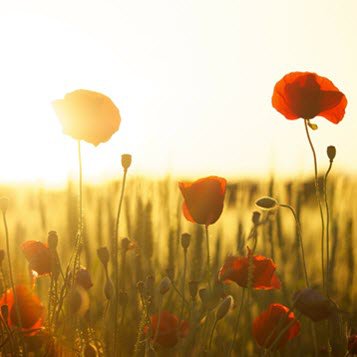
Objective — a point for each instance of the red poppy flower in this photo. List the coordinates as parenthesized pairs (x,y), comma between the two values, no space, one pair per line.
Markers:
(352,344)
(203,199)
(38,255)
(307,95)
(236,269)
(30,308)
(271,323)
(170,329)
(87,115)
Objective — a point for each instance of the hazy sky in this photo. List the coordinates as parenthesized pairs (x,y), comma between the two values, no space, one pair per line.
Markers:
(193,81)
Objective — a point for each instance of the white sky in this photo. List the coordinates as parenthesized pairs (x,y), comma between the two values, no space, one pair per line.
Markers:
(193,81)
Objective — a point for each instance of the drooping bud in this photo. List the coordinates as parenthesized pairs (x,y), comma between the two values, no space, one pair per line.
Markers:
(193,288)
(185,240)
(165,285)
(313,304)
(224,307)
(78,301)
(52,240)
(126,161)
(331,152)
(103,255)
(2,256)
(83,278)
(267,203)
(4,204)
(256,217)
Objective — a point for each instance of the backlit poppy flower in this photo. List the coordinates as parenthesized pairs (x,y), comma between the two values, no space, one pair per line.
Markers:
(236,269)
(313,304)
(271,323)
(170,329)
(38,255)
(30,308)
(307,95)
(87,115)
(352,344)
(203,199)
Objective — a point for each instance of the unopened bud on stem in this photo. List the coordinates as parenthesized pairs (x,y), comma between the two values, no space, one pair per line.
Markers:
(126,161)
(331,152)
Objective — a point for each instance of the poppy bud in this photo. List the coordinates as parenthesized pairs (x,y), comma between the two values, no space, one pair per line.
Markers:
(108,289)
(331,152)
(313,304)
(185,240)
(165,285)
(224,307)
(256,217)
(352,344)
(266,203)
(83,279)
(5,312)
(2,256)
(90,351)
(170,272)
(193,287)
(312,126)
(103,255)
(52,240)
(4,204)
(126,161)
(125,244)
(78,301)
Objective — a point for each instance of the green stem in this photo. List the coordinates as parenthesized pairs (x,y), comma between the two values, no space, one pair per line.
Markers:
(317,190)
(211,335)
(183,284)
(297,223)
(116,263)
(237,323)
(327,230)
(208,258)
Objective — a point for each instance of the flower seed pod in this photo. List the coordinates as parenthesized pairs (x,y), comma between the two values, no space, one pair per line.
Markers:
(185,240)
(90,351)
(4,204)
(126,161)
(2,256)
(103,255)
(256,217)
(224,307)
(331,152)
(313,304)
(108,289)
(193,287)
(267,203)
(52,240)
(165,285)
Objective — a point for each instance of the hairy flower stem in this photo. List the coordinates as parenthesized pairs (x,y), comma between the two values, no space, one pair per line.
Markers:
(297,223)
(236,326)
(16,301)
(208,259)
(327,230)
(116,263)
(317,190)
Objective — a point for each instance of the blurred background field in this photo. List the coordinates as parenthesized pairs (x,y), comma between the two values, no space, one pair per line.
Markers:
(153,221)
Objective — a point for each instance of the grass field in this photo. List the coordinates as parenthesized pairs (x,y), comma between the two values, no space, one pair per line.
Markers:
(152,219)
